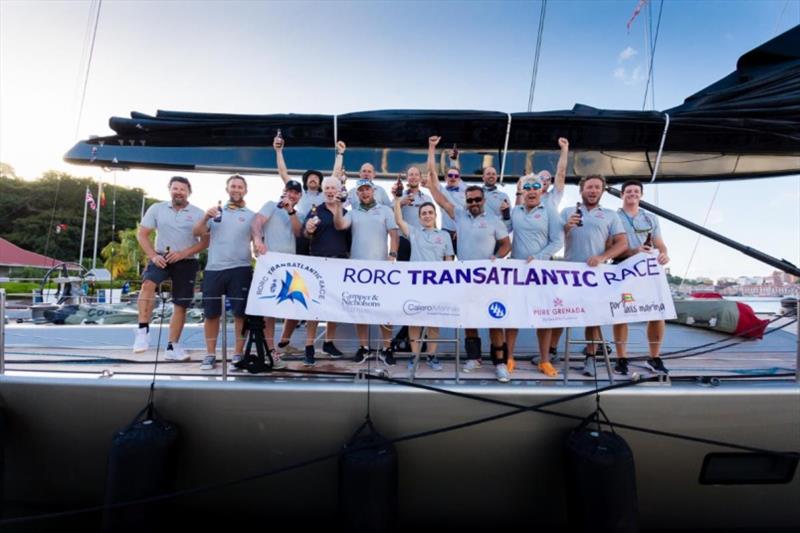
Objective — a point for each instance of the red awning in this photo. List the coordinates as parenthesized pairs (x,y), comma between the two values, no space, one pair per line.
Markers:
(13,255)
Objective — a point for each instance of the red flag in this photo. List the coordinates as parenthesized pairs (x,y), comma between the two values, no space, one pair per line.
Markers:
(102,198)
(90,200)
(636,12)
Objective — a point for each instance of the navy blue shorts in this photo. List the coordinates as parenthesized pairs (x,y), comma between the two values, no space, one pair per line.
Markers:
(182,274)
(234,283)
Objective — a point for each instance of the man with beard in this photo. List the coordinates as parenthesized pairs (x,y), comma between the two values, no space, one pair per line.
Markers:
(370,224)
(367,172)
(228,270)
(274,228)
(479,234)
(174,257)
(538,234)
(587,228)
(644,234)
(325,241)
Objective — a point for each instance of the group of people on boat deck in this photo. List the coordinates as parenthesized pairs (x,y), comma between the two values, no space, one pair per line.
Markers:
(322,218)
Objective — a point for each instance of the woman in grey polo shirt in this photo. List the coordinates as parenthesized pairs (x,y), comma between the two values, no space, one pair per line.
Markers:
(427,244)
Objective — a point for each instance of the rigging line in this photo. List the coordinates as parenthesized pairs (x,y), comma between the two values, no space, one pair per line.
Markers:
(151,394)
(697,242)
(88,67)
(84,49)
(652,56)
(780,17)
(536,54)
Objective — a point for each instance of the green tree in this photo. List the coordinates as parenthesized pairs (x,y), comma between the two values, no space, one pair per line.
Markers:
(122,256)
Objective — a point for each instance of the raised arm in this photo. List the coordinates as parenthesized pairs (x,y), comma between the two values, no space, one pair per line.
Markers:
(398,217)
(433,179)
(340,221)
(561,167)
(277,144)
(338,162)
(257,233)
(201,227)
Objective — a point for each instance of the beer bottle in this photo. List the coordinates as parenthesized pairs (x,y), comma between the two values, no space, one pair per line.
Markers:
(648,243)
(398,187)
(218,218)
(579,213)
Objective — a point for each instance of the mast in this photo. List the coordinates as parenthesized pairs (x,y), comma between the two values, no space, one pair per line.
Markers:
(83,228)
(97,223)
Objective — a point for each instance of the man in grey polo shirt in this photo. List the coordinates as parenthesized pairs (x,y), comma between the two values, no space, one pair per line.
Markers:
(275,228)
(479,235)
(370,224)
(228,270)
(366,172)
(496,201)
(174,257)
(587,229)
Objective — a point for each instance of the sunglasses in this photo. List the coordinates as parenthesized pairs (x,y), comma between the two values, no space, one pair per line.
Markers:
(363,181)
(453,174)
(475,200)
(535,186)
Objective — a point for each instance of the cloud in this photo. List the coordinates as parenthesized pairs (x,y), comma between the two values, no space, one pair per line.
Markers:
(627,54)
(633,77)
(619,73)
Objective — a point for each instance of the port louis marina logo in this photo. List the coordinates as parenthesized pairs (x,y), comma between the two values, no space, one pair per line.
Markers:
(292,283)
(627,305)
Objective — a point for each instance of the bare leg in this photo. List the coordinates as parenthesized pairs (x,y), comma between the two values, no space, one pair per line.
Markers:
(330,332)
(433,334)
(288,328)
(511,340)
(269,331)
(311,331)
(238,325)
(211,331)
(176,323)
(146,301)
(555,336)
(592,334)
(543,335)
(655,336)
(386,333)
(497,337)
(362,331)
(621,339)
(413,335)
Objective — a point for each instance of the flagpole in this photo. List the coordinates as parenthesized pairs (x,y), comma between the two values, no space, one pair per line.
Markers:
(83,229)
(97,223)
(135,253)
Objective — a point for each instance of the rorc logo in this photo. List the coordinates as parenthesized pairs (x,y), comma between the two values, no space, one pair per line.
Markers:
(497,310)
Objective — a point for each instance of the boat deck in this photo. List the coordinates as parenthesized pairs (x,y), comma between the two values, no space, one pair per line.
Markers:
(105,350)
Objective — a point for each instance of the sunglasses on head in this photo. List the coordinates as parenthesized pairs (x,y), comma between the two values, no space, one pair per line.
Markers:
(475,200)
(452,174)
(363,181)
(535,186)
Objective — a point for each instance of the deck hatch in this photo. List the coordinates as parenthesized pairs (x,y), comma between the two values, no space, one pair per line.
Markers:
(731,468)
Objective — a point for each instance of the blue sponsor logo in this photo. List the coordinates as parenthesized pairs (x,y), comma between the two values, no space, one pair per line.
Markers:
(497,310)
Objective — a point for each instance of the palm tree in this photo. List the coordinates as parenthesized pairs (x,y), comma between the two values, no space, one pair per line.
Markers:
(122,257)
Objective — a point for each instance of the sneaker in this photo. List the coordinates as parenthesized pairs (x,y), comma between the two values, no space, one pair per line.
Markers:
(589,367)
(386,357)
(236,358)
(288,349)
(142,340)
(309,360)
(175,353)
(331,350)
(621,367)
(208,362)
(548,370)
(656,365)
(501,371)
(362,355)
(277,362)
(411,364)
(471,365)
(433,363)
(554,357)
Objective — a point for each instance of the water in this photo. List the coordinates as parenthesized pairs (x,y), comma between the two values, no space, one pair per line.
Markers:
(760,304)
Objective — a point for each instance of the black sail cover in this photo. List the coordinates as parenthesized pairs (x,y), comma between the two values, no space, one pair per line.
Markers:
(746,125)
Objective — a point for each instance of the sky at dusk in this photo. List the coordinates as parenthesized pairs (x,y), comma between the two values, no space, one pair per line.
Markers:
(338,57)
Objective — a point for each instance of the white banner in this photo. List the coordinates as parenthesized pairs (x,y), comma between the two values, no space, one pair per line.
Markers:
(465,294)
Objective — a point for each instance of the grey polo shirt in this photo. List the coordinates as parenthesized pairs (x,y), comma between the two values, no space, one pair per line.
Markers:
(277,232)
(173,228)
(381,197)
(230,240)
(308,200)
(637,227)
(538,233)
(411,212)
(478,236)
(492,204)
(583,242)
(457,199)
(553,197)
(429,244)
(370,229)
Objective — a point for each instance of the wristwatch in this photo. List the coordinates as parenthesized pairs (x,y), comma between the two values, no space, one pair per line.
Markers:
(392,254)
(292,212)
